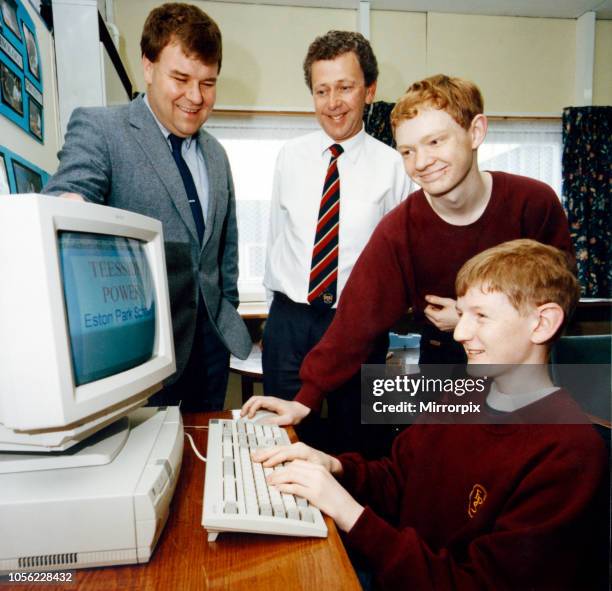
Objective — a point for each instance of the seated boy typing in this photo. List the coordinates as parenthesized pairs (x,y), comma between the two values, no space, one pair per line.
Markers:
(477,506)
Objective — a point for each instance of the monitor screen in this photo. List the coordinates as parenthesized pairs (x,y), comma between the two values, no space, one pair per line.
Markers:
(86,327)
(109,296)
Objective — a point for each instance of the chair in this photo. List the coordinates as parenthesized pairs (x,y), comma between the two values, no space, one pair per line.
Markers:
(581,364)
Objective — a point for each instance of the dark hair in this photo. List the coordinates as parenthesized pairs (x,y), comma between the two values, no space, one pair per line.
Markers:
(336,43)
(193,29)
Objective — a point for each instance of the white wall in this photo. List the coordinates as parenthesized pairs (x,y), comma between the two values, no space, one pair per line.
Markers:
(523,65)
(602,82)
(263,49)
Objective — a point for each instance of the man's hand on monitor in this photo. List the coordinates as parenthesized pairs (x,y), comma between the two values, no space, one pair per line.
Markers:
(73,196)
(289,412)
(441,312)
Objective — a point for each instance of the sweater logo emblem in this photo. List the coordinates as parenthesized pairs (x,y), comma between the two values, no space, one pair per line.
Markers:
(477,498)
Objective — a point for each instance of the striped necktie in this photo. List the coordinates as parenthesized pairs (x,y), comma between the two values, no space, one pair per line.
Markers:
(190,188)
(322,287)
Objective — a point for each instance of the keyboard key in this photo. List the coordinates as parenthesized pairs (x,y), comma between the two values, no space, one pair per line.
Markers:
(229,489)
(231,508)
(293,513)
(228,447)
(265,509)
(290,505)
(261,485)
(306,514)
(248,482)
(277,502)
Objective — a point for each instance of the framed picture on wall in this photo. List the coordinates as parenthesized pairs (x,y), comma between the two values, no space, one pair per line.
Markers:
(10,89)
(4,184)
(35,118)
(9,14)
(33,59)
(26,179)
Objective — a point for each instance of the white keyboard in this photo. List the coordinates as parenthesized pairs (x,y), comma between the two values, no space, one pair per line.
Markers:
(236,495)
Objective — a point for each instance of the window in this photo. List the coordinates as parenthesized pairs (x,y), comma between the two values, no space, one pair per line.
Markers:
(252,143)
(530,148)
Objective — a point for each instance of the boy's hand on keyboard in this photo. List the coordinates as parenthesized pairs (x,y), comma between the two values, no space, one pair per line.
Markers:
(319,487)
(289,412)
(272,456)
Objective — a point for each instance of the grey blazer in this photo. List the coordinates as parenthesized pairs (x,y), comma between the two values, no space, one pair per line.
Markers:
(118,156)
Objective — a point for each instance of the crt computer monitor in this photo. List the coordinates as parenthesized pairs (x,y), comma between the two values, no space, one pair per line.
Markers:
(85,327)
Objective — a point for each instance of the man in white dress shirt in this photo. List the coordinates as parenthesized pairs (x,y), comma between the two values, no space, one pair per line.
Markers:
(331,188)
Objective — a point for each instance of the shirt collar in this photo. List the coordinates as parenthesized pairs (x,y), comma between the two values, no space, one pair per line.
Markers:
(186,142)
(351,147)
(509,403)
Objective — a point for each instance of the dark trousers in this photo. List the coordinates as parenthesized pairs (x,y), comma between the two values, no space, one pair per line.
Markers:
(203,384)
(291,331)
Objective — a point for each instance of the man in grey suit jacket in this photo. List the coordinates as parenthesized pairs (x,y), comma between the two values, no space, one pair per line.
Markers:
(152,157)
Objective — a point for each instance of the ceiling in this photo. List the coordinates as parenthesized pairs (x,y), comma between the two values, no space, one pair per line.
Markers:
(528,8)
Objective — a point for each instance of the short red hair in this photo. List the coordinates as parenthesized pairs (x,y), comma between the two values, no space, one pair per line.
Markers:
(460,98)
(527,272)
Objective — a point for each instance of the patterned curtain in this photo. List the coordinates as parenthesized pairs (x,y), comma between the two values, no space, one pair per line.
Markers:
(377,122)
(587,190)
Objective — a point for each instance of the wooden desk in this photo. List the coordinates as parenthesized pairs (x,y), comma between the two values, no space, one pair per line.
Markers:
(257,310)
(185,560)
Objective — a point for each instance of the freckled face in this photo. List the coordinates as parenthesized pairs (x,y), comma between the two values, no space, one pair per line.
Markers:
(181,90)
(438,153)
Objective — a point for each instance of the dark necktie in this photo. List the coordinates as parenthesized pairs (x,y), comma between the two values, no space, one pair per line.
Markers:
(322,287)
(190,188)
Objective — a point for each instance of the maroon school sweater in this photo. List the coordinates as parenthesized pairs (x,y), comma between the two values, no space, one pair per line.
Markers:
(412,253)
(503,507)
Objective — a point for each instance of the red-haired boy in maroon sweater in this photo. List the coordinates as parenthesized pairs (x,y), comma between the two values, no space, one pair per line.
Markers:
(415,252)
(506,504)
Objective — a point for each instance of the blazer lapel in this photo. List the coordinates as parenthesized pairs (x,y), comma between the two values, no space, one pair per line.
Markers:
(213,167)
(153,144)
